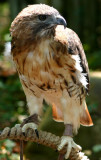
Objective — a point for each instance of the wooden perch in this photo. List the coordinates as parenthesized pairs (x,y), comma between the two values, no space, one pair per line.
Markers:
(45,138)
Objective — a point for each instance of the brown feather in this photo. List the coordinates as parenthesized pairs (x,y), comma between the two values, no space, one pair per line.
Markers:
(85,119)
(57,114)
(52,65)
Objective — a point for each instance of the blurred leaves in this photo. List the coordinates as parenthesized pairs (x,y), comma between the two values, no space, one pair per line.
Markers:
(94,60)
(84,20)
(7,37)
(5,20)
(12,102)
(97,148)
(9,144)
(6,149)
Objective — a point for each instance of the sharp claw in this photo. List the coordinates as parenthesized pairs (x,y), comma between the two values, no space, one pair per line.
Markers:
(8,133)
(23,133)
(37,133)
(32,126)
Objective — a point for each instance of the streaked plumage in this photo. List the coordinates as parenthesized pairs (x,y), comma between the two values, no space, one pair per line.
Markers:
(51,64)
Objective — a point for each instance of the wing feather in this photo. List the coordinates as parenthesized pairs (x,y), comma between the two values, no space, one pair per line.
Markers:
(75,48)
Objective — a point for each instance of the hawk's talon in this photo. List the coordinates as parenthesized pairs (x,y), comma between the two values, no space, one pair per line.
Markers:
(32,126)
(23,133)
(37,133)
(8,133)
(30,122)
(70,144)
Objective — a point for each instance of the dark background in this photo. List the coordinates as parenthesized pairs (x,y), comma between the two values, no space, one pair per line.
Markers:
(84,17)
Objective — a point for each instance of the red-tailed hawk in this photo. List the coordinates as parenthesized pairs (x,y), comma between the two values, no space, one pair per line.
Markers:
(52,65)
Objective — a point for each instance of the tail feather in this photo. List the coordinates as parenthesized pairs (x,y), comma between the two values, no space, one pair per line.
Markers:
(85,118)
(57,114)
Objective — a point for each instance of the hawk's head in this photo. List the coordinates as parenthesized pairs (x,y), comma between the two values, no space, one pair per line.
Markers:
(34,21)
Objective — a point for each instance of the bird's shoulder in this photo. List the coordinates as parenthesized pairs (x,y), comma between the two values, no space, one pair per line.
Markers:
(73,47)
(70,39)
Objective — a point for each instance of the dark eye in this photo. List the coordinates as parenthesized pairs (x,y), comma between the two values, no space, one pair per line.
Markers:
(42,17)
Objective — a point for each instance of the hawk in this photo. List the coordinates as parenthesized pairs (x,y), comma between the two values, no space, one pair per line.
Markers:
(52,66)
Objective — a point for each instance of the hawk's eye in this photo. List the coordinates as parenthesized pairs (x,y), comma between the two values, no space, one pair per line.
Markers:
(42,17)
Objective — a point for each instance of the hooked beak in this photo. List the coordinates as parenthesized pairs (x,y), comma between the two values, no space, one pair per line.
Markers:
(61,21)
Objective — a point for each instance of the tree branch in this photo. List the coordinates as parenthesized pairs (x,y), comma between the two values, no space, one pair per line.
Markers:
(45,138)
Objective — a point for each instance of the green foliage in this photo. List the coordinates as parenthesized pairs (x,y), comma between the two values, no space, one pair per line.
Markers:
(5,20)
(97,148)
(93,57)
(12,101)
(12,105)
(9,144)
(85,21)
(6,149)
(92,107)
(94,60)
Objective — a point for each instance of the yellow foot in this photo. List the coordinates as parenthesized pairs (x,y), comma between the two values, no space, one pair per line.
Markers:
(70,144)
